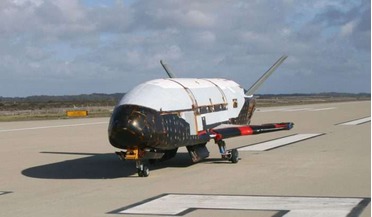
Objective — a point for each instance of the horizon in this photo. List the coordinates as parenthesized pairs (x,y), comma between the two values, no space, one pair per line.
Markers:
(263,94)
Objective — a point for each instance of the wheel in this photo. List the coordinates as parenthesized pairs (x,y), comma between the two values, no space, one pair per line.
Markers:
(144,172)
(234,156)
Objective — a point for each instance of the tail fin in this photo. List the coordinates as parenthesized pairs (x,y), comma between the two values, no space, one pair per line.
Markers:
(263,78)
(167,69)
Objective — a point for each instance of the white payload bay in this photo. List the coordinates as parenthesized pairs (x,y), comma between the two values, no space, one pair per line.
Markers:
(198,101)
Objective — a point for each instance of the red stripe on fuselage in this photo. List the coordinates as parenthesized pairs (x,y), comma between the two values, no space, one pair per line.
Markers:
(246,130)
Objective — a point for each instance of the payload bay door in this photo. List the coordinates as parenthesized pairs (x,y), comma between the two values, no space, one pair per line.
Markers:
(190,118)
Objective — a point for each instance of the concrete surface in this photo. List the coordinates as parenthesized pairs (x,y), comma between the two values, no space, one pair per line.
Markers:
(67,167)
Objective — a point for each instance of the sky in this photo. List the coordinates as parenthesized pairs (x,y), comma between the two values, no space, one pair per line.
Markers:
(60,47)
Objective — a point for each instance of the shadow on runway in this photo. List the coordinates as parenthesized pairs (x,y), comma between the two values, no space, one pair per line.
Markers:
(98,166)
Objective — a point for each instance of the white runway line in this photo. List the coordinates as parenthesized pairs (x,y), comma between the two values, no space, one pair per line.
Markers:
(296,109)
(279,142)
(49,127)
(270,110)
(174,204)
(322,109)
(357,122)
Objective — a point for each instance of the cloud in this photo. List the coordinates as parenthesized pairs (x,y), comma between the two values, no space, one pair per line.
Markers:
(195,18)
(72,47)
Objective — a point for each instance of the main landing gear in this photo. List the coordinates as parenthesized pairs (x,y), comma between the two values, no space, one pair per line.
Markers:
(230,155)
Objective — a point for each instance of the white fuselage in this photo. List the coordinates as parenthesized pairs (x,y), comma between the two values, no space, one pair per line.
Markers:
(200,102)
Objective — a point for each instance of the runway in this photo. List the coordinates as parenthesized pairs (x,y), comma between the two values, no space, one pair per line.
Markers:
(68,168)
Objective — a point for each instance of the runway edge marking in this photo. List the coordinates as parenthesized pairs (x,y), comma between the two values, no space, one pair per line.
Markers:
(54,126)
(279,142)
(356,121)
(308,109)
(288,206)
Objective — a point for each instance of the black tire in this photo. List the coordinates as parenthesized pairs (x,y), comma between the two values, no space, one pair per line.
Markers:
(234,156)
(145,171)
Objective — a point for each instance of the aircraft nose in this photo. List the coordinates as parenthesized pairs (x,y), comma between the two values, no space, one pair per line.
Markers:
(128,128)
(135,124)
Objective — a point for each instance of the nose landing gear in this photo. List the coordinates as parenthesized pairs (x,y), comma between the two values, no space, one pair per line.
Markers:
(140,156)
(142,169)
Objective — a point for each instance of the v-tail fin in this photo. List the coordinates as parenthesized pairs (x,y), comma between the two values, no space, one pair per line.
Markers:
(263,78)
(167,69)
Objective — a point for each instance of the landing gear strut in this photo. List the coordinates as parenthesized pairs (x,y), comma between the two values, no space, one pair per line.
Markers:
(231,155)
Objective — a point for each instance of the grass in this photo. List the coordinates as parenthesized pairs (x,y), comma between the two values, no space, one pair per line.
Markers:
(49,115)
(47,111)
